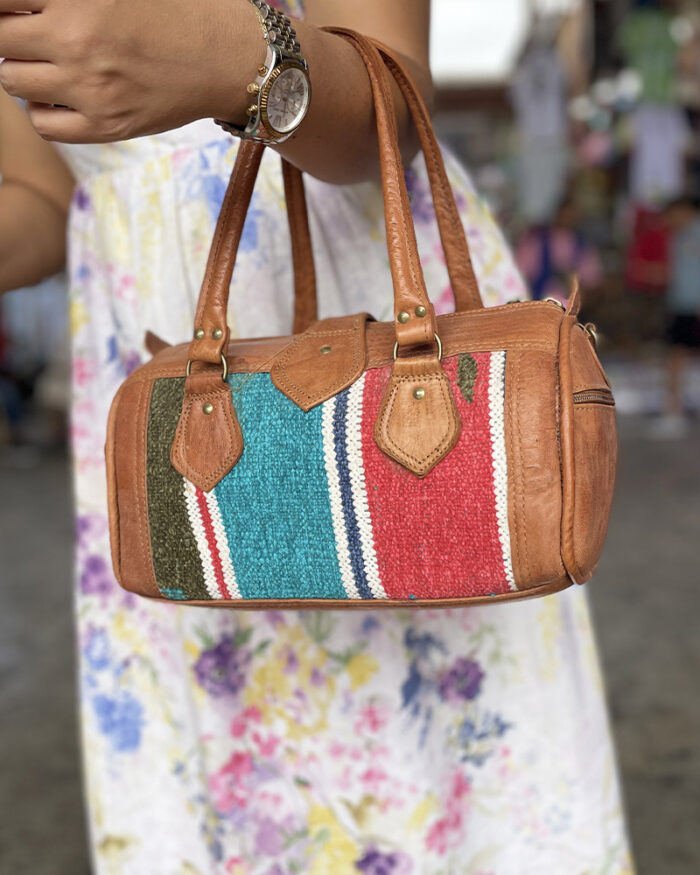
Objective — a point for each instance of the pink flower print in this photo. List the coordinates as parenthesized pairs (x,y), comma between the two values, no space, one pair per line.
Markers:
(373,778)
(239,724)
(229,785)
(448,829)
(371,718)
(266,746)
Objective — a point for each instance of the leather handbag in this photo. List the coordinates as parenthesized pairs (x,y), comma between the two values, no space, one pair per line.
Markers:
(429,461)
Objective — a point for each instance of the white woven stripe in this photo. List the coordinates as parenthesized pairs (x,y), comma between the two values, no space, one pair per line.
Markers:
(200,539)
(222,544)
(336,504)
(353,437)
(497,376)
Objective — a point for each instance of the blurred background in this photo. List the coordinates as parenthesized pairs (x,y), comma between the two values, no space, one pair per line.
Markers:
(579,121)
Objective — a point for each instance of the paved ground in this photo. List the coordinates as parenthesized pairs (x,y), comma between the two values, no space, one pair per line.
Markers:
(645,598)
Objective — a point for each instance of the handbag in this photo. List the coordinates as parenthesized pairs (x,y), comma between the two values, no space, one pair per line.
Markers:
(429,461)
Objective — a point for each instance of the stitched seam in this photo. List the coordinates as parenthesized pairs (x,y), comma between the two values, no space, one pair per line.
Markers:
(298,392)
(226,463)
(444,442)
(144,525)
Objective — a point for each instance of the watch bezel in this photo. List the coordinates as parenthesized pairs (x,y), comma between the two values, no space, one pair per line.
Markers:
(267,87)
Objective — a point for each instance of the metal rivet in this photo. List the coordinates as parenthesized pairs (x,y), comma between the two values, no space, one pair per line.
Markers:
(253,88)
(420,311)
(252,109)
(208,408)
(419,393)
(403,317)
(217,334)
(262,69)
(325,350)
(199,334)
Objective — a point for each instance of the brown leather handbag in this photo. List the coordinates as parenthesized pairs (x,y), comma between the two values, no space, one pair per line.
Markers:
(430,461)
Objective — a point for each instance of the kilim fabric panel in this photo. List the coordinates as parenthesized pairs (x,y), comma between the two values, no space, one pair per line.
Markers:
(313,502)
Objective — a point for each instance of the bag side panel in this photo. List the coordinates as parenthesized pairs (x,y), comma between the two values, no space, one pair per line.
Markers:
(589,446)
(127,493)
(534,468)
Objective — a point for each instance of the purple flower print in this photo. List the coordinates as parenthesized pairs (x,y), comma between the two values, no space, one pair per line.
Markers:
(462,682)
(96,578)
(374,862)
(222,669)
(81,199)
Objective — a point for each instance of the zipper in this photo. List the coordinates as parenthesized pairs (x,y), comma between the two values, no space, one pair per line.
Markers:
(595,396)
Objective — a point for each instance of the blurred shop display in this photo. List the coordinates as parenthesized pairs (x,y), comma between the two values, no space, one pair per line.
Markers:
(34,368)
(582,131)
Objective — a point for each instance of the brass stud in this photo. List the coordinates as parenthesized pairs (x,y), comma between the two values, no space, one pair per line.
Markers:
(199,334)
(208,408)
(217,334)
(325,350)
(404,317)
(262,69)
(253,88)
(420,311)
(252,109)
(419,393)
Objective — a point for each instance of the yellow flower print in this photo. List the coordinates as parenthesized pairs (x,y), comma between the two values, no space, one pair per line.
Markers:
(361,667)
(78,316)
(338,851)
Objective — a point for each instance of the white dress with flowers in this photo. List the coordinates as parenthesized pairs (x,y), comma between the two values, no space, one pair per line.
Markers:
(444,742)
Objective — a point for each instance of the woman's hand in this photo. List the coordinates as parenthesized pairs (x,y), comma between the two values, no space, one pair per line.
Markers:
(127,67)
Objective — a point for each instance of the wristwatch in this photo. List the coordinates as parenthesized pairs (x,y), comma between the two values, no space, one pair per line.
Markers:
(281,91)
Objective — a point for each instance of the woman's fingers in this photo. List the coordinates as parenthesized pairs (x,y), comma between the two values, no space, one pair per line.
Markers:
(22,36)
(64,125)
(35,81)
(22,5)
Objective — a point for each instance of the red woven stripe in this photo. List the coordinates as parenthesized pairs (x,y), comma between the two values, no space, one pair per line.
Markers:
(213,546)
(436,537)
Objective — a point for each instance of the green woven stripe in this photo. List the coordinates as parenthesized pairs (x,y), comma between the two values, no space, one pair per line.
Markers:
(175,556)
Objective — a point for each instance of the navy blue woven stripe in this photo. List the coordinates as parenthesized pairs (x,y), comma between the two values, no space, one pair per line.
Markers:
(351,527)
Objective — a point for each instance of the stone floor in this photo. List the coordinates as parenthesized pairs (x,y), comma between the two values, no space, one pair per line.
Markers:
(646,599)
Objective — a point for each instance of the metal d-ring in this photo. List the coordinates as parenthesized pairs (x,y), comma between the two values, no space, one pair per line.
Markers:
(437,340)
(224,365)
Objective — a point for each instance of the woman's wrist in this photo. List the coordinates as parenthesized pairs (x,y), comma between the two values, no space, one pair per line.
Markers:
(241,51)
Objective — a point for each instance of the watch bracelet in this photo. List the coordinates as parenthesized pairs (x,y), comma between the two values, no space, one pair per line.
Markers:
(278,29)
(281,38)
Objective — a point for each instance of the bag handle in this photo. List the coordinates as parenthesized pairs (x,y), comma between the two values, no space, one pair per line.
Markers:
(465,287)
(410,295)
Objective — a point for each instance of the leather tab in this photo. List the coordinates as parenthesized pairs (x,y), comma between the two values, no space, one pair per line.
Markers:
(573,305)
(206,445)
(418,432)
(322,361)
(154,344)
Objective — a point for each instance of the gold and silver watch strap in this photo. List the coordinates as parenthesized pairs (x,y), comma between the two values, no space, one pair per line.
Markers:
(282,48)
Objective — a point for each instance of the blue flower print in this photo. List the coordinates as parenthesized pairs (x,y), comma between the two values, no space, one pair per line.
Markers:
(96,649)
(120,719)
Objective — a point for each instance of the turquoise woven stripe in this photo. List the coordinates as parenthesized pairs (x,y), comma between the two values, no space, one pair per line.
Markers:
(274,503)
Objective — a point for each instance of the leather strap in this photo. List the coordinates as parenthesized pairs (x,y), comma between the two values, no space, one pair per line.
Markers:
(460,269)
(410,293)
(213,300)
(305,304)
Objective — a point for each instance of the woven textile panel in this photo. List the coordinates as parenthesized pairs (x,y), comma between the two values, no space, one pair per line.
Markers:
(313,503)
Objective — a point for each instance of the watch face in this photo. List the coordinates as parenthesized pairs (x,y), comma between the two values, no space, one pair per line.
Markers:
(288,99)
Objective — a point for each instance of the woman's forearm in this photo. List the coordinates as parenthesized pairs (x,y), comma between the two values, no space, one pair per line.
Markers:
(32,237)
(131,68)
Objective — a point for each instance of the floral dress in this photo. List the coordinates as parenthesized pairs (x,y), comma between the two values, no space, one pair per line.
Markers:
(437,742)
